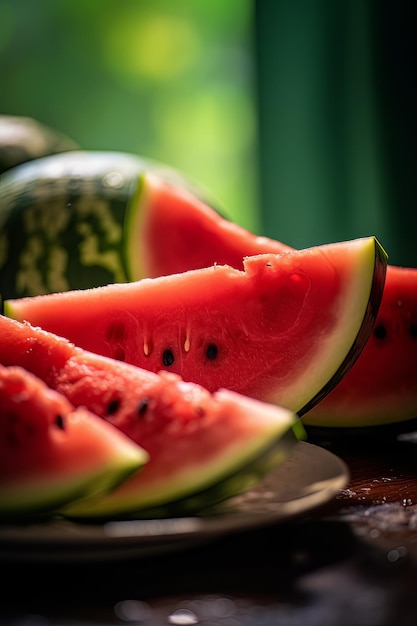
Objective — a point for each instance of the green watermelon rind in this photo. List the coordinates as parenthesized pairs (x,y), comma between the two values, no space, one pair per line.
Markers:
(135,263)
(43,497)
(244,479)
(190,493)
(374,293)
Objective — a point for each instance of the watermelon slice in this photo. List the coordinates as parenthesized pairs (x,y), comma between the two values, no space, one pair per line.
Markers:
(51,453)
(174,231)
(203,447)
(170,230)
(282,330)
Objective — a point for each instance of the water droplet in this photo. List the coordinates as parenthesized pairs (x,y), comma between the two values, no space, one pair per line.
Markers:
(396,554)
(346,493)
(182,617)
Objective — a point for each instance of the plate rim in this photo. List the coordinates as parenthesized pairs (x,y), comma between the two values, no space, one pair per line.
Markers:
(66,540)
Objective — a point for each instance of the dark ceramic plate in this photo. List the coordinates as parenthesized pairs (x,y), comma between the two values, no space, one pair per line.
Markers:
(309,478)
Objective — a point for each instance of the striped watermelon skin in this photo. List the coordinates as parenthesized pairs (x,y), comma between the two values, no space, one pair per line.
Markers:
(63,220)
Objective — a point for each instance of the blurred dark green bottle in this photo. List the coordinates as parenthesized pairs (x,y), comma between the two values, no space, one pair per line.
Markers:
(337,91)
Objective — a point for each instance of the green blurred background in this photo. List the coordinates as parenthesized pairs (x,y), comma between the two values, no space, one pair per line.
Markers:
(171,80)
(298,115)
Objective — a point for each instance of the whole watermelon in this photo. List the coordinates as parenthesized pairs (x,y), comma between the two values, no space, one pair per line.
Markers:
(63,220)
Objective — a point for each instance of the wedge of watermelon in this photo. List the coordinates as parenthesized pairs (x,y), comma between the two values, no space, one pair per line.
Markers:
(51,453)
(172,231)
(202,447)
(285,329)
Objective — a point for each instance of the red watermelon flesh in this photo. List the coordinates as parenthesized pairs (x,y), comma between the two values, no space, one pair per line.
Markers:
(169,230)
(173,231)
(202,447)
(52,453)
(282,330)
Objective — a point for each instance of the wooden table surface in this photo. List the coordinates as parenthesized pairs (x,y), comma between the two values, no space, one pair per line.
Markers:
(352,562)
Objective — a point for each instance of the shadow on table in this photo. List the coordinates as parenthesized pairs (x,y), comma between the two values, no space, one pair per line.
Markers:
(315,571)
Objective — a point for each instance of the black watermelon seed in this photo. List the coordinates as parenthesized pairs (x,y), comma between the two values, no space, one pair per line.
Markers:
(413,330)
(380,331)
(168,358)
(211,351)
(59,421)
(113,407)
(143,405)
